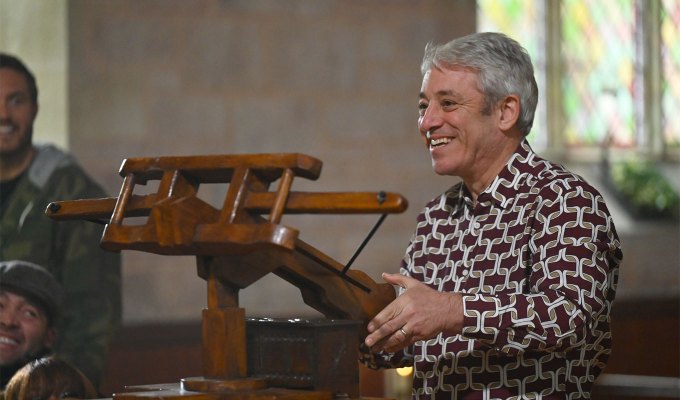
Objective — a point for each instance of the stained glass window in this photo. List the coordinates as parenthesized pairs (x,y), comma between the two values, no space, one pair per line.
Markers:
(598,53)
(670,58)
(603,71)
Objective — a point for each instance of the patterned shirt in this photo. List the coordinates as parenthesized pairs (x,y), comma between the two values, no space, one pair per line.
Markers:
(536,260)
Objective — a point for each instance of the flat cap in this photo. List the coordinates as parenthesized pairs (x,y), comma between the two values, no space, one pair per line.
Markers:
(33,282)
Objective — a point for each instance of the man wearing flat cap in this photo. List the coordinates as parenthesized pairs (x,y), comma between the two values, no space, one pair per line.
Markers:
(30,301)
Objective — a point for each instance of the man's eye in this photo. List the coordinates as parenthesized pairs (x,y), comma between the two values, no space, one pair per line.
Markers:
(17,100)
(30,313)
(449,104)
(422,107)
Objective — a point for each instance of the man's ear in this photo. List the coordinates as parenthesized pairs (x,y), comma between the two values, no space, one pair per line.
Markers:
(509,110)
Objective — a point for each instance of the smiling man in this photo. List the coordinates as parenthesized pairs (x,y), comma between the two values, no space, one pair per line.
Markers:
(30,301)
(507,284)
(31,176)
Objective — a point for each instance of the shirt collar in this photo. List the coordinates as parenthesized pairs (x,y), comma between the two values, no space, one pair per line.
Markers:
(503,189)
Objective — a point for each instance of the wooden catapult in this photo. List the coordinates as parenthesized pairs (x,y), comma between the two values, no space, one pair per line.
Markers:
(234,247)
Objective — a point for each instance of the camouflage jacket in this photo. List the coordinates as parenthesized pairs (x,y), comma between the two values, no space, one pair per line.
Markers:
(90,276)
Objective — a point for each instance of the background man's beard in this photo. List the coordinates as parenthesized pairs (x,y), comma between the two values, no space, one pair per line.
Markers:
(18,153)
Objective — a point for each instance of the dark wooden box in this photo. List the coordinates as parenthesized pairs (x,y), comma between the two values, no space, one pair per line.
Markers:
(305,354)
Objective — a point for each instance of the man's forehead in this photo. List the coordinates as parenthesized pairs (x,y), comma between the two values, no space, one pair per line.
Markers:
(13,79)
(9,293)
(449,81)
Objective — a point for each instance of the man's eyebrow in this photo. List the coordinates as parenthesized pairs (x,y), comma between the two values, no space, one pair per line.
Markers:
(440,93)
(18,92)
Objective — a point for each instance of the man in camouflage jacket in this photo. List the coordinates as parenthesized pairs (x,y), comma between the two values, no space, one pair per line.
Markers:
(30,178)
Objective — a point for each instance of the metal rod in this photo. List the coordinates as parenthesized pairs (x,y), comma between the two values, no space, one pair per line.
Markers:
(363,244)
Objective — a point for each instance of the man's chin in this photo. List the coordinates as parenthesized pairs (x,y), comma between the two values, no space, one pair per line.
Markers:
(442,170)
(15,153)
(18,146)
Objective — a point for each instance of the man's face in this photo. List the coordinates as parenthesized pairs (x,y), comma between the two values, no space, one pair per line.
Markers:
(451,110)
(24,329)
(17,112)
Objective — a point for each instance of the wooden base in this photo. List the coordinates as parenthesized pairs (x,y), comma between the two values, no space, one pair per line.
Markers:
(200,384)
(177,391)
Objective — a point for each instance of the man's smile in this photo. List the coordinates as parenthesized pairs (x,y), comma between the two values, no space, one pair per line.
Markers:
(439,142)
(6,340)
(6,129)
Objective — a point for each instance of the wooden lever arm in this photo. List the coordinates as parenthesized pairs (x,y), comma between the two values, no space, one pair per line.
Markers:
(138,206)
(329,203)
(256,203)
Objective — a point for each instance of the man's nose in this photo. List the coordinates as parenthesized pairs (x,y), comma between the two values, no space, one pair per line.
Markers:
(430,120)
(8,317)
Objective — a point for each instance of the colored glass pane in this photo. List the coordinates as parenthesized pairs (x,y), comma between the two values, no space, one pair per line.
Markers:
(670,58)
(598,52)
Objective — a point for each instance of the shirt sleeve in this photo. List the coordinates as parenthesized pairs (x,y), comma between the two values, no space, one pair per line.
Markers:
(573,270)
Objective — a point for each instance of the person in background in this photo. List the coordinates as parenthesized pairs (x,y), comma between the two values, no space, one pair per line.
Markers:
(30,302)
(507,284)
(32,176)
(49,378)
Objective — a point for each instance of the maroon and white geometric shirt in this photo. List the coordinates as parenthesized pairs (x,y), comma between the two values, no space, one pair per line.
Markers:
(536,260)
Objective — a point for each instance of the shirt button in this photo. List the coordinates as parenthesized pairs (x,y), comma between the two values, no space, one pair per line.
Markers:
(465,272)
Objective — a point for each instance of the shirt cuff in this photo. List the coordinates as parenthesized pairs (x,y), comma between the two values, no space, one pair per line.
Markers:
(482,317)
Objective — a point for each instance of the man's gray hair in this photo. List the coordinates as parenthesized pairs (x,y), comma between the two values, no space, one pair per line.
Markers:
(504,68)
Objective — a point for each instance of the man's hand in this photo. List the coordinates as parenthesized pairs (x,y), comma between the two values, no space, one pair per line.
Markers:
(419,313)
